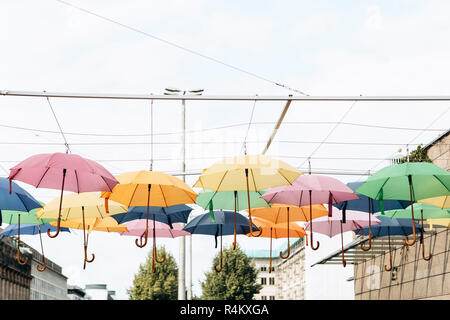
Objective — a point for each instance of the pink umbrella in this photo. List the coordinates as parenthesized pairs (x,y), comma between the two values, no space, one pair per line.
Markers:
(334,225)
(138,228)
(62,171)
(308,190)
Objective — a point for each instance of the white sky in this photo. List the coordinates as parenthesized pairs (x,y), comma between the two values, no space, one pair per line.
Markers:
(320,47)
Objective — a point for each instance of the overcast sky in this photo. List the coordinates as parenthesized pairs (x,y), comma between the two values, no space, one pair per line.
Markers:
(320,48)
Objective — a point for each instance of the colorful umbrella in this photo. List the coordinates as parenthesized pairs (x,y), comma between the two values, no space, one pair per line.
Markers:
(334,225)
(230,200)
(388,227)
(167,215)
(411,181)
(308,190)
(14,205)
(419,211)
(247,173)
(79,206)
(441,202)
(62,171)
(366,204)
(161,230)
(223,225)
(276,231)
(280,213)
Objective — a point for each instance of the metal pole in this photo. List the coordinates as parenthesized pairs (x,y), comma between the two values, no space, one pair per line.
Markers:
(182,244)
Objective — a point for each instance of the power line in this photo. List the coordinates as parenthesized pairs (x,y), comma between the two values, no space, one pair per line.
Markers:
(182,47)
(244,144)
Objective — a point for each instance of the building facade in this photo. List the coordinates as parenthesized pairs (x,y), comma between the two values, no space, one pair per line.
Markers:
(76,293)
(15,280)
(286,281)
(99,291)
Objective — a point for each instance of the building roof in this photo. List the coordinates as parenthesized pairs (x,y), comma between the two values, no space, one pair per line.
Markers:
(437,139)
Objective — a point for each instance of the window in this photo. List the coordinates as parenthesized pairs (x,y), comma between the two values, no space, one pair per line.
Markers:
(271,298)
(263,298)
(273,268)
(271,281)
(263,268)
(263,281)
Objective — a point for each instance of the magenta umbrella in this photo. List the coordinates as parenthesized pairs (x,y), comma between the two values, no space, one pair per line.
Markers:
(308,190)
(62,171)
(138,228)
(331,226)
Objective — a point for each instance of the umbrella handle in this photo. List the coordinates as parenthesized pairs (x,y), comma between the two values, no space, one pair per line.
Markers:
(270,256)
(155,253)
(85,256)
(344,263)
(249,209)
(412,215)
(44,266)
(153,264)
(221,267)
(141,245)
(423,242)
(60,207)
(19,261)
(235,207)
(288,245)
(310,223)
(370,242)
(390,253)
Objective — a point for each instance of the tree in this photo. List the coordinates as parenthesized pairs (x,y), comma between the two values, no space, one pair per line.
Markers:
(161,285)
(236,281)
(418,155)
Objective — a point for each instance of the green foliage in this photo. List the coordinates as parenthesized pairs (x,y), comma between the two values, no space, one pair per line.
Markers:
(418,155)
(161,285)
(236,281)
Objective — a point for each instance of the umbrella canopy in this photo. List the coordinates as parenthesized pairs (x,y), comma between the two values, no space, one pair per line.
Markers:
(225,200)
(411,181)
(167,215)
(162,230)
(278,213)
(441,202)
(28,228)
(334,225)
(150,188)
(19,200)
(12,217)
(246,173)
(388,227)
(62,171)
(311,189)
(420,211)
(272,230)
(107,224)
(223,224)
(441,222)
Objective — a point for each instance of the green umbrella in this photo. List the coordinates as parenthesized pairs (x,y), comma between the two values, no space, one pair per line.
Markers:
(419,211)
(408,181)
(230,200)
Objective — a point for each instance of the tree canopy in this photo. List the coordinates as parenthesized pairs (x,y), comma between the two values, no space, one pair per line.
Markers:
(161,285)
(236,281)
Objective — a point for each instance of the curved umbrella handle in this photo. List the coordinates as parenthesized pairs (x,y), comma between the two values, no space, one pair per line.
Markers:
(19,261)
(310,223)
(344,263)
(390,253)
(363,248)
(155,251)
(60,207)
(44,266)
(153,264)
(235,214)
(423,241)
(288,245)
(221,266)
(249,209)
(412,215)
(270,256)
(85,256)
(142,244)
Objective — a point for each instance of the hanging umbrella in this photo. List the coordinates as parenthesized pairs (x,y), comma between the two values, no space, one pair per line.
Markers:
(167,215)
(331,226)
(280,213)
(389,227)
(441,202)
(247,173)
(62,171)
(419,211)
(230,200)
(160,230)
(223,225)
(441,222)
(14,205)
(30,229)
(86,205)
(366,204)
(308,190)
(411,181)
(150,188)
(275,231)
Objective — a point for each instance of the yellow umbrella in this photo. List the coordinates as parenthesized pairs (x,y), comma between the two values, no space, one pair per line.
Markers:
(442,222)
(80,206)
(442,202)
(150,188)
(107,224)
(248,172)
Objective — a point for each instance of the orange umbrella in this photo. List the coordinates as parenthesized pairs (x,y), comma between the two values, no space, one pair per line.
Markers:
(272,230)
(281,213)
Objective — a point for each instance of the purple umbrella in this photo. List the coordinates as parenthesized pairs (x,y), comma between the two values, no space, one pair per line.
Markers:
(334,225)
(308,190)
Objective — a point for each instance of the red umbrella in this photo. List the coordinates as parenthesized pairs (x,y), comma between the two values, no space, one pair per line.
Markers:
(62,171)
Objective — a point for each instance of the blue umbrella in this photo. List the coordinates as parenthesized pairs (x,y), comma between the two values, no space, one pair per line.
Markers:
(224,224)
(167,215)
(19,201)
(366,204)
(388,227)
(17,229)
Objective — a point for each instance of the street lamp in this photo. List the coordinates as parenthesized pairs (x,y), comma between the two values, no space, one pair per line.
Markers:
(182,246)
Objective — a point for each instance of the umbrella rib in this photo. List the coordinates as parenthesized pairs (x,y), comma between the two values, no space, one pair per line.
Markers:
(76,177)
(253,179)
(441,182)
(132,196)
(284,176)
(162,193)
(40,180)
